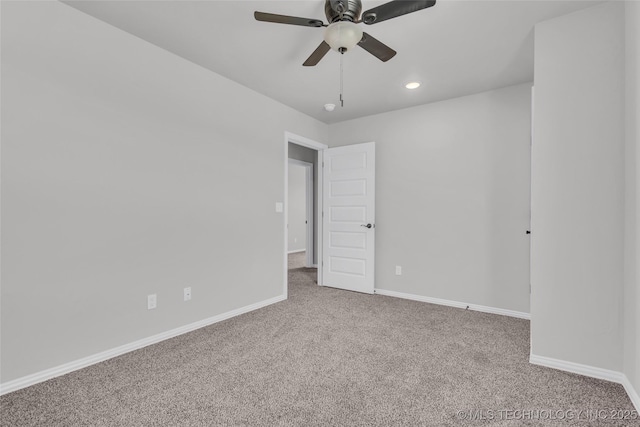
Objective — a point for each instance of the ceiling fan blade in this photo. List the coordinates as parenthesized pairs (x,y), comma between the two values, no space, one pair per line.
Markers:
(317,54)
(376,48)
(394,9)
(283,19)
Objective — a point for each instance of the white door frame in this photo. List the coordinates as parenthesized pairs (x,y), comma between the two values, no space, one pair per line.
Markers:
(308,187)
(319,147)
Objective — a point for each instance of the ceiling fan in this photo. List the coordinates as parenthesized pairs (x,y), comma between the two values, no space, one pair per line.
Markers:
(342,33)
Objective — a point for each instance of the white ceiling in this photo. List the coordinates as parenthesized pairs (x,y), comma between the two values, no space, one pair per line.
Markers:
(455,48)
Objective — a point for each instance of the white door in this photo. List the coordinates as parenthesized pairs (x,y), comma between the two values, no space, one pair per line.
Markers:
(349,217)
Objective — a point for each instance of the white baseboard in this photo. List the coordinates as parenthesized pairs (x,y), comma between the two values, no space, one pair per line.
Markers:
(457,304)
(576,368)
(589,371)
(632,392)
(57,371)
(296,251)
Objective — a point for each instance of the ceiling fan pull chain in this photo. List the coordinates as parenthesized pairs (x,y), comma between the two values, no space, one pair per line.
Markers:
(341,80)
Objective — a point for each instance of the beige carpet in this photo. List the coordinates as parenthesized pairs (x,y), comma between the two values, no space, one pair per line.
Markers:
(324,357)
(297,260)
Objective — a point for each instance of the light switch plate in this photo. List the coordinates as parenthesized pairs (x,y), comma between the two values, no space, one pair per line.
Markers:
(152,301)
(279,207)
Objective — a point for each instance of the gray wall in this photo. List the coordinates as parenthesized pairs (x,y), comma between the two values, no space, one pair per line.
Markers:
(578,188)
(304,154)
(452,197)
(631,357)
(308,155)
(297,209)
(123,174)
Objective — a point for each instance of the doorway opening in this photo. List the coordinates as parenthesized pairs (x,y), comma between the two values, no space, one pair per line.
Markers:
(302,206)
(301,224)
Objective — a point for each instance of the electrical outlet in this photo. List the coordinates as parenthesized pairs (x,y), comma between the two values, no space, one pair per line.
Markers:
(187,294)
(152,301)
(398,270)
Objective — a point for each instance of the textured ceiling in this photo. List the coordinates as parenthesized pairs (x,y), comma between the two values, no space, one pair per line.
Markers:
(455,48)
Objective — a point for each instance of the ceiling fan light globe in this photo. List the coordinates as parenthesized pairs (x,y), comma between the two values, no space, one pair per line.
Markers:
(343,35)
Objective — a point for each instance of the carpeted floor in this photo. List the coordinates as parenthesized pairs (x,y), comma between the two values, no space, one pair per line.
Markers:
(326,357)
(297,260)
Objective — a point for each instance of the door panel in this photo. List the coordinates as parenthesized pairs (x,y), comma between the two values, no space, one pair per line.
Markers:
(349,206)
(348,240)
(348,214)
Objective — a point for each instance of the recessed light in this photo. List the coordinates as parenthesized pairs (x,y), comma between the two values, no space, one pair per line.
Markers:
(412,85)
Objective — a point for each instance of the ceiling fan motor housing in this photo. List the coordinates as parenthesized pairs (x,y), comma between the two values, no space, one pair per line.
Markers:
(350,13)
